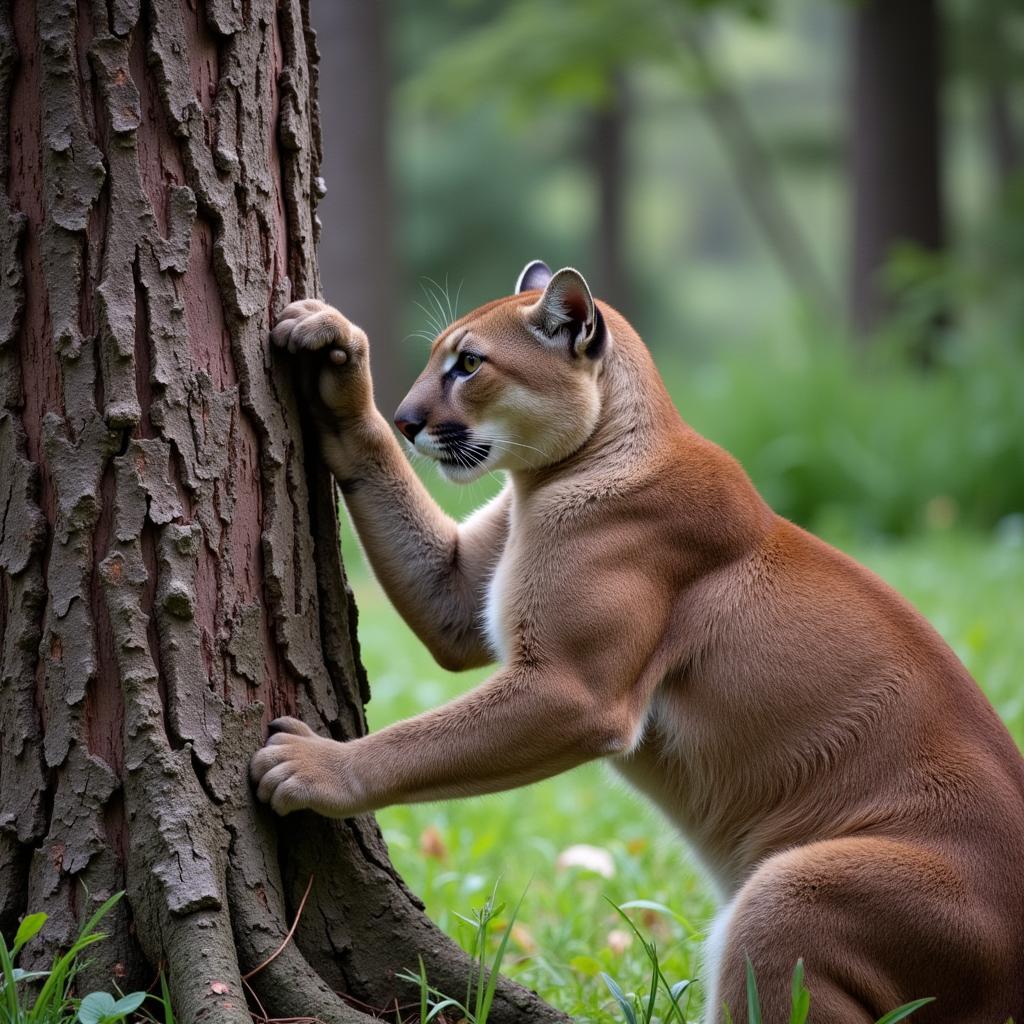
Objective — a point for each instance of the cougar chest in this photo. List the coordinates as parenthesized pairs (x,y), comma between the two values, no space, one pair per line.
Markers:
(494,608)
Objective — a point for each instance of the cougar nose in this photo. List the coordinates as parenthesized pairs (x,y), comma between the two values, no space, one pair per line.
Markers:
(409,422)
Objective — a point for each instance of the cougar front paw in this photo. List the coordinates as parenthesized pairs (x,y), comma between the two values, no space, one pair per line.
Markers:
(310,325)
(297,770)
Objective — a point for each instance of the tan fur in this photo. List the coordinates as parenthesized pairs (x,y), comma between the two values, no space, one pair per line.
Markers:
(851,792)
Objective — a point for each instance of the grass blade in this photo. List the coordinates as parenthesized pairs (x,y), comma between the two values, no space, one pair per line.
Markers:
(800,1001)
(443,1005)
(753,999)
(165,994)
(57,986)
(650,948)
(649,1012)
(620,998)
(904,1011)
(675,993)
(423,990)
(660,908)
(499,956)
(9,991)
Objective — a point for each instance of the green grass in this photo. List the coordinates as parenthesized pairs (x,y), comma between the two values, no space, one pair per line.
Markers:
(567,932)
(47,996)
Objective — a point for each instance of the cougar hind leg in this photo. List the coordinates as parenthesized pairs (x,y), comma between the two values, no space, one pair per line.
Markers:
(877,923)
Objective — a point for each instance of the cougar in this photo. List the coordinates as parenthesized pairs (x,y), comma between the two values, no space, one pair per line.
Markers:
(851,793)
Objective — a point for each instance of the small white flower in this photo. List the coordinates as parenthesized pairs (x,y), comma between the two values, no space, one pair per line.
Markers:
(590,858)
(618,941)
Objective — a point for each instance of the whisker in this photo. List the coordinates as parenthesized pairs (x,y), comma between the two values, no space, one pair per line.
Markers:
(495,438)
(518,455)
(428,296)
(448,300)
(424,335)
(458,293)
(431,319)
(444,292)
(429,313)
(432,294)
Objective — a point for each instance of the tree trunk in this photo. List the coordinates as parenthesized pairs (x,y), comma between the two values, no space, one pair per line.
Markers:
(895,142)
(357,257)
(607,142)
(169,569)
(999,89)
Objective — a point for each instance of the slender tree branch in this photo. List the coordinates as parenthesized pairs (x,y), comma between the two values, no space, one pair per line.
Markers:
(752,165)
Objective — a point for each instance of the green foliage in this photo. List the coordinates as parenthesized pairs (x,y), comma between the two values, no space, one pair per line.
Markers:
(753,998)
(103,1008)
(480,989)
(800,1001)
(903,1012)
(833,435)
(800,996)
(640,1007)
(868,437)
(551,55)
(493,167)
(53,1002)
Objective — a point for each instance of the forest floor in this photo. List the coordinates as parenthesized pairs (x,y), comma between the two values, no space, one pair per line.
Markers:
(971,588)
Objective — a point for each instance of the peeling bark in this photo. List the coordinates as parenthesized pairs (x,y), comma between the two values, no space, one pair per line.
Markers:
(169,569)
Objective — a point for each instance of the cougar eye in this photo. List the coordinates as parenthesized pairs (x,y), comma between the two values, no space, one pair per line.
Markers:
(469,362)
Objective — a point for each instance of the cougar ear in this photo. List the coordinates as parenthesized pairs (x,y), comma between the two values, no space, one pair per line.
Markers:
(535,274)
(566,312)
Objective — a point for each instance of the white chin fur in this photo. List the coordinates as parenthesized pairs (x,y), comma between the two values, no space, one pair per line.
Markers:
(453,472)
(463,474)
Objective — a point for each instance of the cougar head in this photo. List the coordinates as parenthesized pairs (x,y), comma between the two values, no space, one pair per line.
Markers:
(514,384)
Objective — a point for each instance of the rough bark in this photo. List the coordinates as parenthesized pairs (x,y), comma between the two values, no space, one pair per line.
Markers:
(169,568)
(895,142)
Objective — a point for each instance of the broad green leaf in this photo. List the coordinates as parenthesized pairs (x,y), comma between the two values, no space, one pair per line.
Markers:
(129,1003)
(28,929)
(96,1008)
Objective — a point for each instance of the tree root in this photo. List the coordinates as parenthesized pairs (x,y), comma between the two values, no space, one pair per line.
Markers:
(362,925)
(282,982)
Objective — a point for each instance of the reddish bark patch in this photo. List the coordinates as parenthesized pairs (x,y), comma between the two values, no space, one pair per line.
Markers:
(160,163)
(203,54)
(204,311)
(39,366)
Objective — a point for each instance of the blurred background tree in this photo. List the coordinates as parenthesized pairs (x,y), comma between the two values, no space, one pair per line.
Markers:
(758,185)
